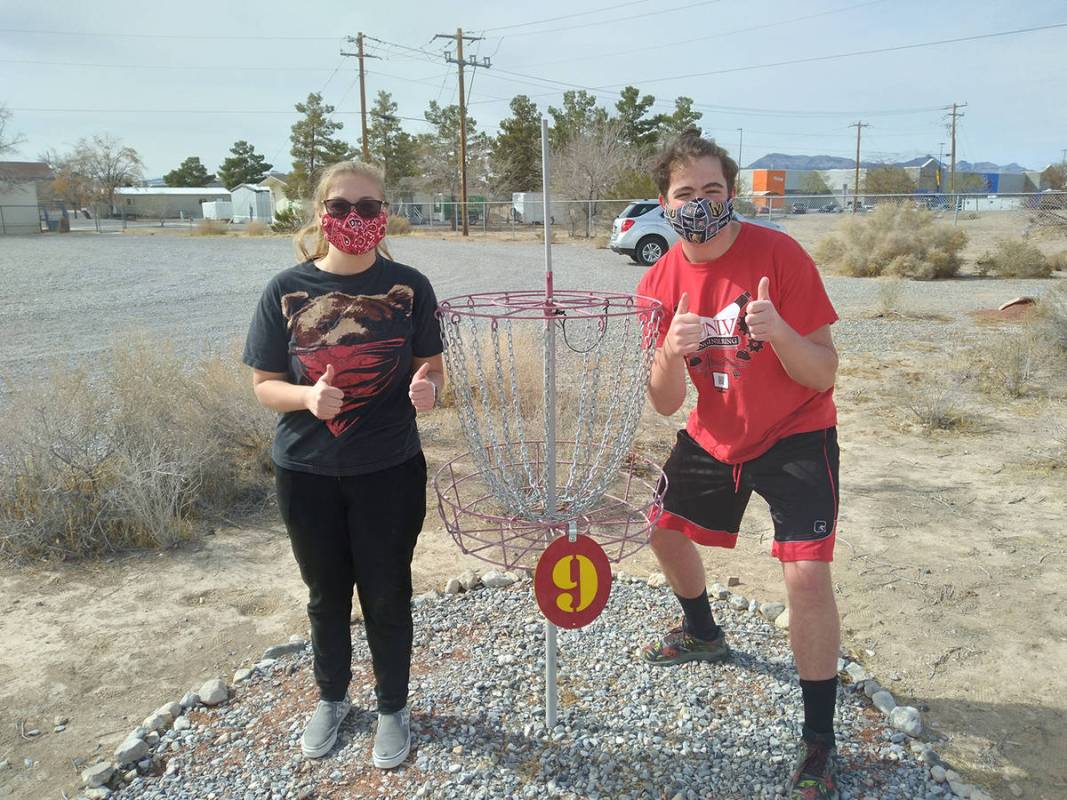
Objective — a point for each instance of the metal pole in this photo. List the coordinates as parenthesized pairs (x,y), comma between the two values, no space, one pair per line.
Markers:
(462,129)
(3,225)
(551,690)
(362,98)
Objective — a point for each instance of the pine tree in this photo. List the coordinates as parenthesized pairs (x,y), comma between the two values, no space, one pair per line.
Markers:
(391,147)
(189,173)
(244,166)
(314,146)
(516,151)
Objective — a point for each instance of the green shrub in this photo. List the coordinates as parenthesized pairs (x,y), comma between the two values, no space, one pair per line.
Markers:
(1015,258)
(893,240)
(288,220)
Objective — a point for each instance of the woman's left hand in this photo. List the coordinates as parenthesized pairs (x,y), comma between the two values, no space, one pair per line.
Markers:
(423,391)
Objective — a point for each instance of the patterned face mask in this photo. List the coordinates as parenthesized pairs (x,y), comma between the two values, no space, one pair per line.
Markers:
(699,221)
(354,234)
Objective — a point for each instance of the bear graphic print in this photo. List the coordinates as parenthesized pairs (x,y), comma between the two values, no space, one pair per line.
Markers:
(361,335)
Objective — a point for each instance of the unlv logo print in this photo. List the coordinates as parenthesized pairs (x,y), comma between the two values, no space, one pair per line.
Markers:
(723,333)
(361,335)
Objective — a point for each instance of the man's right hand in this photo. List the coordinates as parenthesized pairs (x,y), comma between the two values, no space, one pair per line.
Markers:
(324,400)
(685,332)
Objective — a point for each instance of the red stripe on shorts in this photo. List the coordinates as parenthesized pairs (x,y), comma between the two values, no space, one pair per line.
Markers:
(818,550)
(695,532)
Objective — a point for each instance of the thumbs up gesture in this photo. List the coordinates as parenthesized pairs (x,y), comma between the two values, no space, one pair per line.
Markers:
(324,400)
(685,331)
(764,322)
(423,391)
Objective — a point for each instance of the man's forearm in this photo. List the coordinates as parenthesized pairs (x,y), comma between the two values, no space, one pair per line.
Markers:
(666,384)
(809,363)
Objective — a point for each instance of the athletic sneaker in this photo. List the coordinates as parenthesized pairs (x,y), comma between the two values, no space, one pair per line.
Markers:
(321,733)
(678,647)
(815,776)
(392,740)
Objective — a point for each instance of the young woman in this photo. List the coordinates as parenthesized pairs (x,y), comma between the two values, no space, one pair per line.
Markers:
(346,347)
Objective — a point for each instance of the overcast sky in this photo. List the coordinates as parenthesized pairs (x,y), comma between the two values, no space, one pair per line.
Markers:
(190,78)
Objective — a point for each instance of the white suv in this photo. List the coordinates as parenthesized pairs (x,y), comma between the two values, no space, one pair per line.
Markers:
(642,233)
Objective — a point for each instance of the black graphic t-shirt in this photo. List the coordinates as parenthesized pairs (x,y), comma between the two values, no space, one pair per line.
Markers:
(369,327)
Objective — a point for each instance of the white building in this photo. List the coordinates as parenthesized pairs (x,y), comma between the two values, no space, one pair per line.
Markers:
(165,202)
(19,210)
(252,203)
(279,201)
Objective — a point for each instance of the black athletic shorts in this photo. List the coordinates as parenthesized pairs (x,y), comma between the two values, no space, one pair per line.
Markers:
(706,498)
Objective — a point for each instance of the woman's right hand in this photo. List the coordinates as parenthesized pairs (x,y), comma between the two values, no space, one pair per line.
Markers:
(323,399)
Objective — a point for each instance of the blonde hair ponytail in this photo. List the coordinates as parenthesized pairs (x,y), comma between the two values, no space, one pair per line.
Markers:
(318,247)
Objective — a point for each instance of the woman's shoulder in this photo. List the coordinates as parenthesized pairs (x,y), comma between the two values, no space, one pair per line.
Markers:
(294,274)
(404,273)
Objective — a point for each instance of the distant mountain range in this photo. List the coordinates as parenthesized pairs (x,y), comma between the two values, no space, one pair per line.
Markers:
(784,161)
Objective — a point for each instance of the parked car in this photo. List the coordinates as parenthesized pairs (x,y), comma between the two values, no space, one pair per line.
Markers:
(830,208)
(800,208)
(642,233)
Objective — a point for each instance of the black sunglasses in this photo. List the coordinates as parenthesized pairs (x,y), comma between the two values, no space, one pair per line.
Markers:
(367,207)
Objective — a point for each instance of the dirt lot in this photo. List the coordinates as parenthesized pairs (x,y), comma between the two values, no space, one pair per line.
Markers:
(949,574)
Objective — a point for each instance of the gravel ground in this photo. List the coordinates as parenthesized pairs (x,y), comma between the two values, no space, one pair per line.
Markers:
(69,297)
(626,730)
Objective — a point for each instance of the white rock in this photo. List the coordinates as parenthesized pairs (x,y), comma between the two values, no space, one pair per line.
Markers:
(960,789)
(453,586)
(424,598)
(189,700)
(468,580)
(718,592)
(174,709)
(296,638)
(99,793)
(782,620)
(131,750)
(937,772)
(242,675)
(856,672)
(213,692)
(906,719)
(884,701)
(739,602)
(657,580)
(771,610)
(498,580)
(98,774)
(182,724)
(279,650)
(159,721)
(871,687)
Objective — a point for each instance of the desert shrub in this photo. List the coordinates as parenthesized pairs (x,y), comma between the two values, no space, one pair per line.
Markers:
(139,453)
(1058,261)
(256,228)
(210,227)
(1011,362)
(397,225)
(288,220)
(893,240)
(934,403)
(1014,258)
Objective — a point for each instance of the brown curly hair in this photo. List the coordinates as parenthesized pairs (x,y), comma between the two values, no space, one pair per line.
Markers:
(689,146)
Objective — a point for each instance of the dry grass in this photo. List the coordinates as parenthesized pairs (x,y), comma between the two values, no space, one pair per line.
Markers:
(210,227)
(1015,258)
(256,228)
(397,226)
(137,456)
(893,240)
(933,400)
(601,242)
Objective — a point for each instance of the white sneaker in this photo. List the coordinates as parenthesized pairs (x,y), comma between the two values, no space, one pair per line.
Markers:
(321,732)
(392,740)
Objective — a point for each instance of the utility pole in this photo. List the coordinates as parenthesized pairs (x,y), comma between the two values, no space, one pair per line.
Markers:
(740,142)
(472,62)
(358,41)
(955,114)
(859,126)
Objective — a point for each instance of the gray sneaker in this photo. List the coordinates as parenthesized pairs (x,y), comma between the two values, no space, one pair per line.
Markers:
(321,733)
(392,741)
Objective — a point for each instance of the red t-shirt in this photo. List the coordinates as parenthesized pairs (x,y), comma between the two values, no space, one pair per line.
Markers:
(746,401)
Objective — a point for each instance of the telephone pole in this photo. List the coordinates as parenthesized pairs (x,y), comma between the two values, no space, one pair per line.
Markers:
(859,126)
(358,42)
(471,61)
(955,114)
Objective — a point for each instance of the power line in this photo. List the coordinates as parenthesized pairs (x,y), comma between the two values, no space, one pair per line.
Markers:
(565,16)
(207,37)
(658,12)
(183,67)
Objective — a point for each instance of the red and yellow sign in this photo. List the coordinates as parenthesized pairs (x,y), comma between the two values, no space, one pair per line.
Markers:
(572,581)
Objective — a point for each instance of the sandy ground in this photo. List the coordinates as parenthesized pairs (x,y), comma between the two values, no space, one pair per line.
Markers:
(949,575)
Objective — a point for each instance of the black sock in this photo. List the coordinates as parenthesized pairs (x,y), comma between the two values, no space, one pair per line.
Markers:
(698,619)
(820,701)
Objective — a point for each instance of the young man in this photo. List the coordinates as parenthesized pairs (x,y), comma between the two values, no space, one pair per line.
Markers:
(748,319)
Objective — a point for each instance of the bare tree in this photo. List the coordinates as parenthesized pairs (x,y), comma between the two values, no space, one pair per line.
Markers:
(107,164)
(588,166)
(8,141)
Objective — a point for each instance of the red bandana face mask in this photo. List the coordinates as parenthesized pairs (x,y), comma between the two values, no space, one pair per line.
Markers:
(353,234)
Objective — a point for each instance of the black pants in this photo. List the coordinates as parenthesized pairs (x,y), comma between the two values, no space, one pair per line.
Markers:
(359,530)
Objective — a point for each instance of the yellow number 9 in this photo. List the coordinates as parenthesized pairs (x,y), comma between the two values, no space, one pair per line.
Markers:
(564,577)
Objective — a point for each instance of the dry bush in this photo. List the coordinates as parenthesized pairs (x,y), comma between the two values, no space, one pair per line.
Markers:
(1058,261)
(138,454)
(893,240)
(891,291)
(1011,362)
(1015,258)
(210,227)
(397,225)
(1050,321)
(601,242)
(256,228)
(934,403)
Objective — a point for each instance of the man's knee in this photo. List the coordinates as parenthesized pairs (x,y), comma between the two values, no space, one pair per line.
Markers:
(807,578)
(666,542)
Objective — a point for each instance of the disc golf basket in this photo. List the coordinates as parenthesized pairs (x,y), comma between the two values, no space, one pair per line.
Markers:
(549,388)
